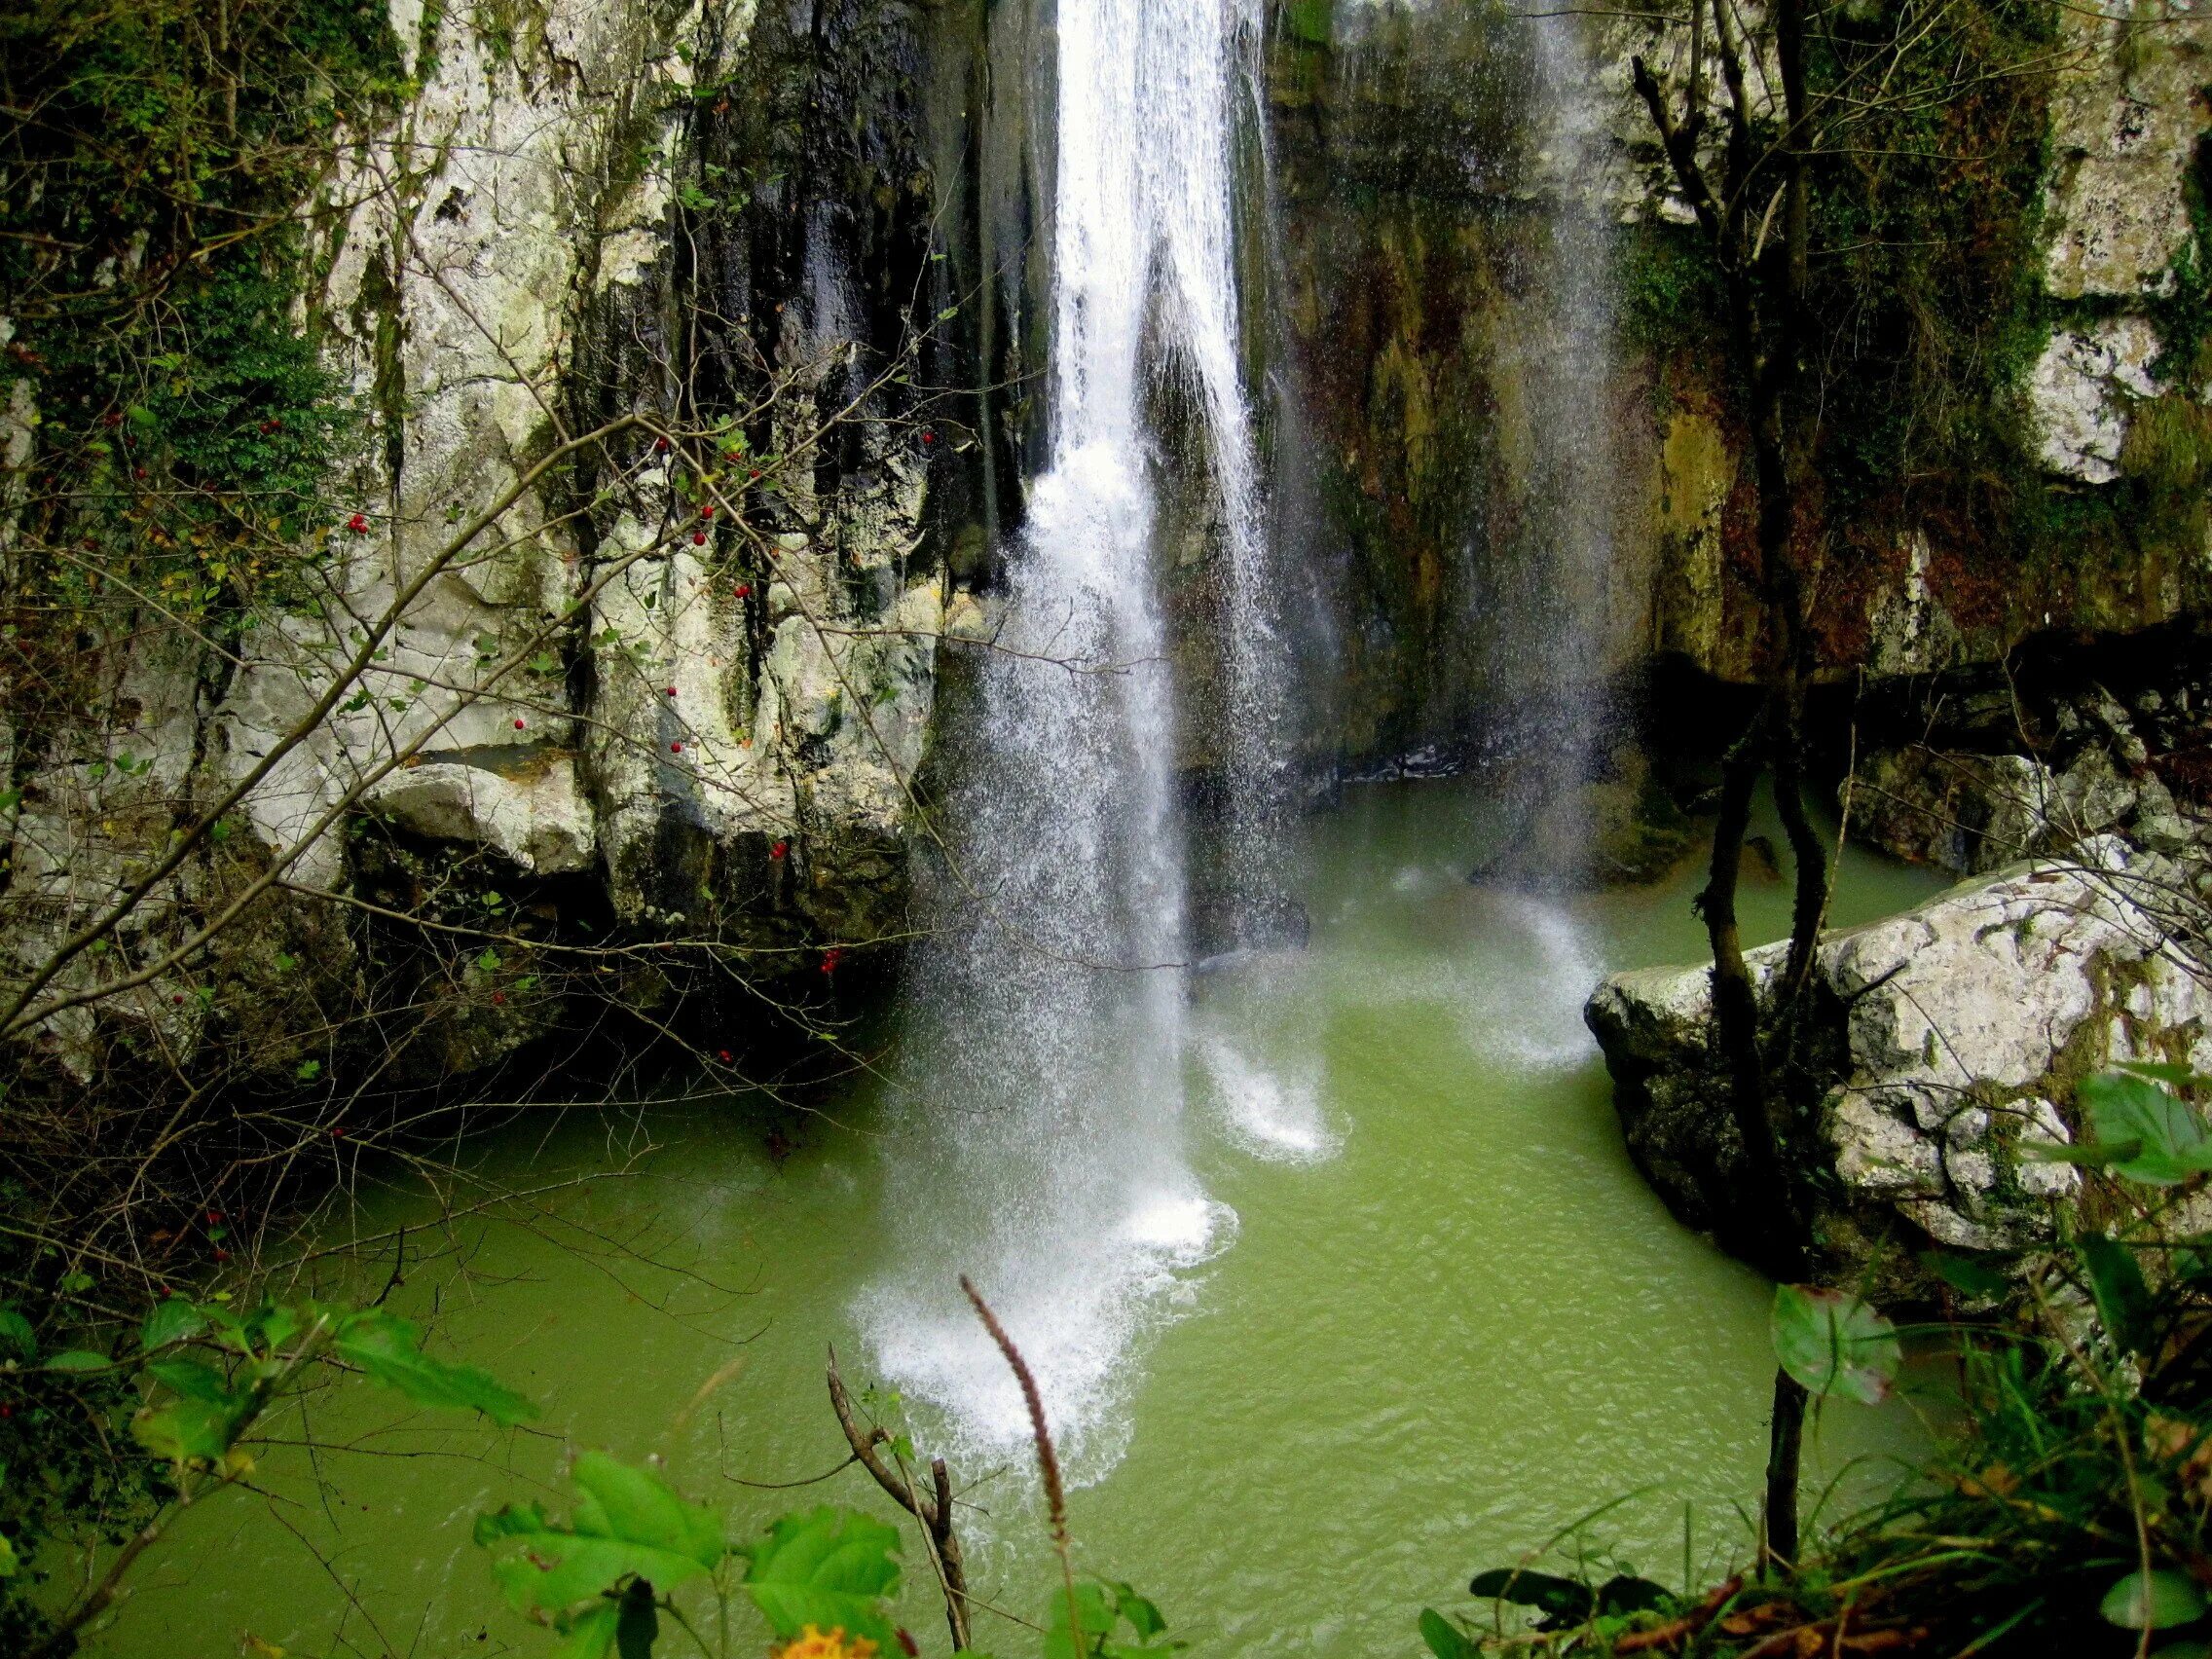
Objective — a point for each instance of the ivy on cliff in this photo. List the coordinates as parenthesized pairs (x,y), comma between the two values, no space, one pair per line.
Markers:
(155,157)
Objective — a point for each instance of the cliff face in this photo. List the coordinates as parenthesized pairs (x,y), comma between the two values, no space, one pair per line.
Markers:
(607,704)
(2015,448)
(816,232)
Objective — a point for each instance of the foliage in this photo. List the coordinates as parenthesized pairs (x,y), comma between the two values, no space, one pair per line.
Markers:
(829,1569)
(1832,1343)
(199,1375)
(1101,1611)
(205,1375)
(155,157)
(1669,290)
(1926,276)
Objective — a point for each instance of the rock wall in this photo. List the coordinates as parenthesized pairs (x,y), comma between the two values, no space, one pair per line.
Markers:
(823,229)
(661,724)
(1423,170)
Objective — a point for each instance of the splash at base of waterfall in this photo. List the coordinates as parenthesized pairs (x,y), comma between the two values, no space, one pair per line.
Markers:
(1078,1315)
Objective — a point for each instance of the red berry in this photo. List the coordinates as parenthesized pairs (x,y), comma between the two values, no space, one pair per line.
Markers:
(676,748)
(779,849)
(358,525)
(672,690)
(723,1055)
(338,1131)
(660,446)
(138,472)
(518,725)
(754,474)
(707,512)
(830,958)
(927,436)
(176,996)
(698,538)
(6,1410)
(214,1215)
(498,997)
(222,1255)
(745,590)
(270,425)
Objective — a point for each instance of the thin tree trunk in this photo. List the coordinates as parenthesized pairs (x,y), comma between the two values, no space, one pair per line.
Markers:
(1785,1447)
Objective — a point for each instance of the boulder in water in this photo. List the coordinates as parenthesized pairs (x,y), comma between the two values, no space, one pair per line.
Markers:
(1946,1037)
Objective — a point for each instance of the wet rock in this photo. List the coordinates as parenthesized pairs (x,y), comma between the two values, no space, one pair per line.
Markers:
(1947,1036)
(2124,127)
(1972,812)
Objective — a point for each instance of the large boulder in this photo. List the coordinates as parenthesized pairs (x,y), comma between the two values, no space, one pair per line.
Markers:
(1947,1036)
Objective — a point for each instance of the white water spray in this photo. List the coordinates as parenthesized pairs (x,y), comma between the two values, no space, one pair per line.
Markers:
(1042,1146)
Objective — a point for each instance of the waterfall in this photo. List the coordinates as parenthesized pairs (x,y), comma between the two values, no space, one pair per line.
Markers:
(1548,582)
(1038,1139)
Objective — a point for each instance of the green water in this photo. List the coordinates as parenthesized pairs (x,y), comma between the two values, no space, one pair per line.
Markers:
(1451,1321)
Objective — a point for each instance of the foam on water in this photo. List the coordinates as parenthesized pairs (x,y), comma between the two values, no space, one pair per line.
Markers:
(1272,1113)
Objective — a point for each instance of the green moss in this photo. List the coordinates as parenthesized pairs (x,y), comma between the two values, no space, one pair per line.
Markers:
(1927,279)
(152,252)
(1670,288)
(2182,311)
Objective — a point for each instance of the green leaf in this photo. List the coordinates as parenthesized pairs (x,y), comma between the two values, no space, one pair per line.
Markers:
(829,1568)
(590,1635)
(76,1285)
(1095,1611)
(309,1070)
(17,1335)
(2157,1600)
(2174,1142)
(2091,1155)
(78,1359)
(1563,1601)
(188,1429)
(8,1565)
(2115,1281)
(1968,1275)
(1444,1638)
(1141,1612)
(628,1525)
(189,1378)
(1833,1342)
(201,1422)
(388,1349)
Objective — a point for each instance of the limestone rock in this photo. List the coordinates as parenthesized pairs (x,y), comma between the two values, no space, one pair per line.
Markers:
(1973,812)
(2081,388)
(2124,126)
(523,804)
(1950,1034)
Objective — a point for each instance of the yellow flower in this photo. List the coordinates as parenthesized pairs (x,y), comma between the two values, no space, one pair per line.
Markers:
(813,1644)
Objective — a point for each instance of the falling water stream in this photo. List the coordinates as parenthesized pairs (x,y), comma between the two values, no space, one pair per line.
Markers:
(1045,1035)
